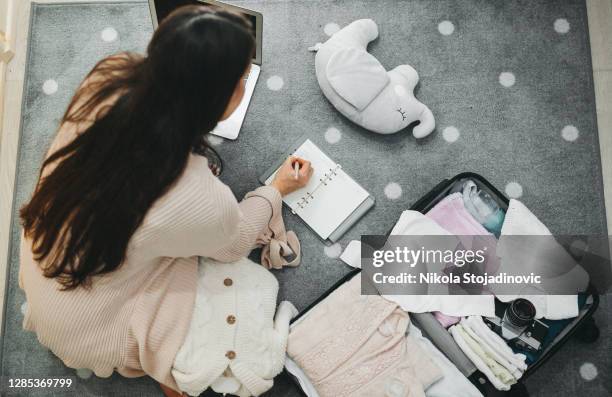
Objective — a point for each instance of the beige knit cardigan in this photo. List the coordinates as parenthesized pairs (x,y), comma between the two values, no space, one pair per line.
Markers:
(135,319)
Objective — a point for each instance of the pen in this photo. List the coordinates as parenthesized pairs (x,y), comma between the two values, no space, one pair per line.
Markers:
(296,168)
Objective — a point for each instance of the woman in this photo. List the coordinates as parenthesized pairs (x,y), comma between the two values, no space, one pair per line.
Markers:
(123,208)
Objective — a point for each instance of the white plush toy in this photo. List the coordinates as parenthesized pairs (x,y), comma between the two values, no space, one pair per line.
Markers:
(360,88)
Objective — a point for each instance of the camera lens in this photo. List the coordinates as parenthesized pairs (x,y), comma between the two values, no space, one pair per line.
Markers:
(520,312)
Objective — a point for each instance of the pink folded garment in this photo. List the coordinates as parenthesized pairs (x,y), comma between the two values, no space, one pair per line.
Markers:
(353,345)
(445,320)
(450,213)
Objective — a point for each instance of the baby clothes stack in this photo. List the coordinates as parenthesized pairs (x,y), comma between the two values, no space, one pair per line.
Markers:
(235,344)
(489,352)
(354,345)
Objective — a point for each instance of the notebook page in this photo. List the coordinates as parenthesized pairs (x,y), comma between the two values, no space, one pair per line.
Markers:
(320,163)
(328,205)
(332,204)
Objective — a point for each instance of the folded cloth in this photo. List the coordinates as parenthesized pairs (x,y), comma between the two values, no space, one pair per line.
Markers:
(543,255)
(450,213)
(444,320)
(451,305)
(414,223)
(499,377)
(498,370)
(489,347)
(452,383)
(495,342)
(355,345)
(279,247)
(559,307)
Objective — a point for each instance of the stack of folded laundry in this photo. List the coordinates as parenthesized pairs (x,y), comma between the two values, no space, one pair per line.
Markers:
(489,352)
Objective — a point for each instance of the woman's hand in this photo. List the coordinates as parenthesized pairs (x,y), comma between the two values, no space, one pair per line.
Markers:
(286,182)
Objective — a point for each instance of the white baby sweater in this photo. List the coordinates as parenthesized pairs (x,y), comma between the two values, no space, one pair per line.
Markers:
(234,344)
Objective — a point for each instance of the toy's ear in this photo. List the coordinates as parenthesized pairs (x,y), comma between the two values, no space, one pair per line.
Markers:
(356,76)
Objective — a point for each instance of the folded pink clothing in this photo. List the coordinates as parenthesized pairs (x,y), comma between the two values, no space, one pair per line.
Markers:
(444,320)
(354,345)
(450,213)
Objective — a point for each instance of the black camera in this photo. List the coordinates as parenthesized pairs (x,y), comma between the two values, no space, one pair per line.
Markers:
(519,326)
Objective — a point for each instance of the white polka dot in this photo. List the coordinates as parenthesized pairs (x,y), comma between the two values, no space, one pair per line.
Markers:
(50,87)
(333,135)
(507,79)
(109,34)
(450,134)
(393,191)
(333,251)
(561,26)
(84,373)
(569,133)
(331,28)
(214,140)
(275,83)
(514,190)
(446,28)
(400,90)
(24,307)
(588,371)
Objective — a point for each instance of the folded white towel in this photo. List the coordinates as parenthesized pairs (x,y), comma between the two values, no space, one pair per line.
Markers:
(488,346)
(496,342)
(458,335)
(514,371)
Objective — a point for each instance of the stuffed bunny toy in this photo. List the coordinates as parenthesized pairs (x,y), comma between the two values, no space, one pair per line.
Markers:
(360,88)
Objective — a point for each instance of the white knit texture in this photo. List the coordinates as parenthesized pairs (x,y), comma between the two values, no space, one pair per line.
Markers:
(257,341)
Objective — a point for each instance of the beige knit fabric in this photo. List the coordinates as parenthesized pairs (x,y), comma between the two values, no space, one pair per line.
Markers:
(353,345)
(135,319)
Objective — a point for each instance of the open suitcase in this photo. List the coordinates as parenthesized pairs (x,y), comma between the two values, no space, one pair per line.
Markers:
(582,327)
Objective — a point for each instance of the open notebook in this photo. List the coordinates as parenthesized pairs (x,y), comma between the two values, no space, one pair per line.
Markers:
(332,201)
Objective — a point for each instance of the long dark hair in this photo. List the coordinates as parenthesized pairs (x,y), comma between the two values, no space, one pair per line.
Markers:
(101,185)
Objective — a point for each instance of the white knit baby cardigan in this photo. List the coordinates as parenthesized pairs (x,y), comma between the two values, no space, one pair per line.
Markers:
(233,328)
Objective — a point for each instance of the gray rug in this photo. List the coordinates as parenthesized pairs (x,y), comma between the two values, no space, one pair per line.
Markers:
(510,85)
